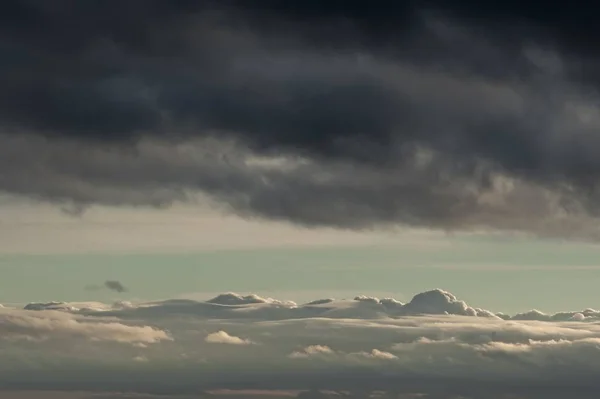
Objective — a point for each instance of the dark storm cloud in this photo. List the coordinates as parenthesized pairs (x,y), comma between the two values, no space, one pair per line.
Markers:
(445,117)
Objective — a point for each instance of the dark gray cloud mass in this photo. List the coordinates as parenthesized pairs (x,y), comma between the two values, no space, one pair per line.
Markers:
(340,114)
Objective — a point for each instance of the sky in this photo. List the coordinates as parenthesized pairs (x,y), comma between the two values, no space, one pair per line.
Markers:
(345,195)
(195,253)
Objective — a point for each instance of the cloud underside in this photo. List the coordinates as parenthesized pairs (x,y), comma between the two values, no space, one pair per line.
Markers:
(433,344)
(443,124)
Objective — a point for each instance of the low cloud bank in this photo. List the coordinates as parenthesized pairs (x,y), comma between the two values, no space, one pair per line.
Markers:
(233,341)
(55,323)
(236,306)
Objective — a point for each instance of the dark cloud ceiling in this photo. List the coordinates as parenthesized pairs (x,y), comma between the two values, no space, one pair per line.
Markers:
(454,117)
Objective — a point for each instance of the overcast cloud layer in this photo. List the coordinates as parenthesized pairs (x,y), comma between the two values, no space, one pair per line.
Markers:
(434,344)
(338,115)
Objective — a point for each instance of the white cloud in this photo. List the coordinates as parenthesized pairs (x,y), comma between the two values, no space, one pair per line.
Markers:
(236,306)
(312,350)
(221,337)
(48,324)
(277,345)
(377,354)
(231,298)
(325,352)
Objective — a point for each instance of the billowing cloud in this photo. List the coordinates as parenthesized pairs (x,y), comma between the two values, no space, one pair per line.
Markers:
(325,352)
(362,344)
(235,306)
(312,350)
(55,324)
(221,337)
(231,298)
(377,354)
(341,117)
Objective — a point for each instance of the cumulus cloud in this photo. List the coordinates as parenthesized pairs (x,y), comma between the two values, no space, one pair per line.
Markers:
(312,350)
(231,298)
(325,352)
(50,323)
(440,122)
(377,354)
(221,337)
(434,344)
(236,306)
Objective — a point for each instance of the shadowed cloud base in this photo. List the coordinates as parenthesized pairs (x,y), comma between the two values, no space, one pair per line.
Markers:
(452,117)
